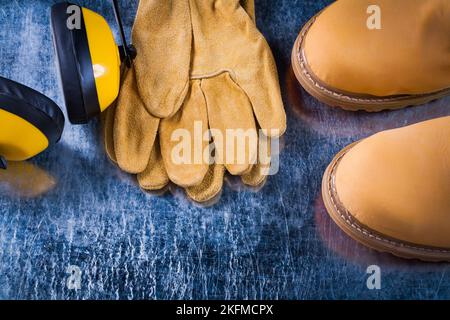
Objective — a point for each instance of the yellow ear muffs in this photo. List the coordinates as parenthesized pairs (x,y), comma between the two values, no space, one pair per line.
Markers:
(89,60)
(29,122)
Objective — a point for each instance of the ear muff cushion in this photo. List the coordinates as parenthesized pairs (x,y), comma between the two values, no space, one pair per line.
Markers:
(75,66)
(32,106)
(67,65)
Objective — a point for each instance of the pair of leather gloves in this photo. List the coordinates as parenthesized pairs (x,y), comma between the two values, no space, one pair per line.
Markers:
(199,62)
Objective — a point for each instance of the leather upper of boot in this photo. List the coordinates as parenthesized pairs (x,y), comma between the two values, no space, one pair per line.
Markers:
(397,182)
(410,54)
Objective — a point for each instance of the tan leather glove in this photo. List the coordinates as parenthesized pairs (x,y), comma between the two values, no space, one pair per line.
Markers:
(202,182)
(161,86)
(233,80)
(134,130)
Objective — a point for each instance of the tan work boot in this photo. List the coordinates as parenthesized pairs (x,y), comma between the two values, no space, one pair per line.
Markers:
(391,191)
(376,55)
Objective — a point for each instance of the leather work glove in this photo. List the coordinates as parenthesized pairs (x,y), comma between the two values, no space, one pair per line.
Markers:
(160,88)
(233,81)
(215,99)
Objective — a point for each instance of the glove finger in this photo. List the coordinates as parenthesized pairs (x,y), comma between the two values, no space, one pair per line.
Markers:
(107,119)
(154,177)
(259,173)
(261,84)
(232,124)
(210,187)
(134,128)
(162,35)
(182,143)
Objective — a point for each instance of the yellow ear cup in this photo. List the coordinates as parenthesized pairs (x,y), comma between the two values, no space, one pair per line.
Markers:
(104,56)
(29,122)
(19,139)
(89,60)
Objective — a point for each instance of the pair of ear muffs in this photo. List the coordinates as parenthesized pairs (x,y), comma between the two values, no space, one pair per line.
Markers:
(89,65)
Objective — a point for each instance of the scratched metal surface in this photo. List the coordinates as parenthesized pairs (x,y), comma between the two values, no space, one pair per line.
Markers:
(70,206)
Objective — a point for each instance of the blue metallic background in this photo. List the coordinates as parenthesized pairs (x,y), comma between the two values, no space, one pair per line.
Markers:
(71,206)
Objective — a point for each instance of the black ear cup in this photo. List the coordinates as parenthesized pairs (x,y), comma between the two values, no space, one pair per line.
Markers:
(29,122)
(75,64)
